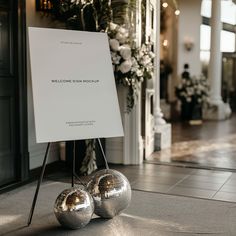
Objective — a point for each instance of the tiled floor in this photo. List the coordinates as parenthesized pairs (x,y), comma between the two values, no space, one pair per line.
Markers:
(208,184)
(210,145)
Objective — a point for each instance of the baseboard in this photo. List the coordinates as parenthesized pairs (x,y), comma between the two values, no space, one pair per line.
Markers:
(50,168)
(34,175)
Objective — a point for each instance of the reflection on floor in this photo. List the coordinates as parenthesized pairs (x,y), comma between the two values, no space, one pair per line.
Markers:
(149,214)
(210,145)
(171,180)
(207,184)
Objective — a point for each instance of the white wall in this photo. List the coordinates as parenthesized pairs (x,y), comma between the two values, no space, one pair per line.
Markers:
(189,26)
(37,151)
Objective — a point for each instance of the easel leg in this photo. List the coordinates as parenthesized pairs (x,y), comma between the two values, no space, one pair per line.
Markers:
(38,185)
(103,154)
(73,167)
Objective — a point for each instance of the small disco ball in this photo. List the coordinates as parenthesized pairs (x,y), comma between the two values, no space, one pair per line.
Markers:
(111,192)
(74,208)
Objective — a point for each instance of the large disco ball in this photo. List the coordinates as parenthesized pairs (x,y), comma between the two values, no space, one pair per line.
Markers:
(111,192)
(74,208)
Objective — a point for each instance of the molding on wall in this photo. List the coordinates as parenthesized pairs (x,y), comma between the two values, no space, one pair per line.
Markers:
(128,149)
(37,153)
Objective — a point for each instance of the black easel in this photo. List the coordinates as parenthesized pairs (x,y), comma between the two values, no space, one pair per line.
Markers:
(73,175)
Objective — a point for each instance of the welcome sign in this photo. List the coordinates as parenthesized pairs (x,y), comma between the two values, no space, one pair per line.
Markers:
(73,85)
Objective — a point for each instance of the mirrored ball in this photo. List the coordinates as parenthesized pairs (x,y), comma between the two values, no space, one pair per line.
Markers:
(111,192)
(74,208)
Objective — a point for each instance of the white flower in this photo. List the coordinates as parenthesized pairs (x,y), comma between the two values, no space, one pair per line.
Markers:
(114,44)
(188,99)
(113,26)
(151,54)
(125,66)
(145,60)
(135,65)
(121,37)
(122,30)
(190,91)
(125,51)
(198,92)
(77,1)
(139,73)
(115,58)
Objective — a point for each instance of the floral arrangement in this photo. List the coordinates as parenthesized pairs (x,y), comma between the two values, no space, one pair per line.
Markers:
(193,89)
(131,64)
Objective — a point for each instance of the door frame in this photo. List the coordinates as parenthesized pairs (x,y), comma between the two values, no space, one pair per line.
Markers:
(22,86)
(21,120)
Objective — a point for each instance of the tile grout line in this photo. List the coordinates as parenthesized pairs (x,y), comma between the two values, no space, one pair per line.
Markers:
(179,182)
(221,186)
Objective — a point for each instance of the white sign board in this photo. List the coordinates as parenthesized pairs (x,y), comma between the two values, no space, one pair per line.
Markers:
(73,85)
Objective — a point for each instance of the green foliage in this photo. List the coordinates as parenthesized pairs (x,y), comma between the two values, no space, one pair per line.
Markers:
(97,15)
(83,15)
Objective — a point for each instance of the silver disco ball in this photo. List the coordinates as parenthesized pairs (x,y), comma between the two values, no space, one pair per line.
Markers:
(111,192)
(74,208)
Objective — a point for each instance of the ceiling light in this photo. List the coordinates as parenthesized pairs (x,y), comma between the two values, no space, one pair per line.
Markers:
(177,12)
(165,4)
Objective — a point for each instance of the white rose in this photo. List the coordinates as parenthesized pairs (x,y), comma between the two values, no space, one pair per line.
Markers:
(122,30)
(113,26)
(139,73)
(125,66)
(120,37)
(151,54)
(114,44)
(125,52)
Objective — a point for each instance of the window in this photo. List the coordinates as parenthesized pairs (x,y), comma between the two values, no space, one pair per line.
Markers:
(228,11)
(227,41)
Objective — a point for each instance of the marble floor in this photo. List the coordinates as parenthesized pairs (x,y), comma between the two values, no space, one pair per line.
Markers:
(210,145)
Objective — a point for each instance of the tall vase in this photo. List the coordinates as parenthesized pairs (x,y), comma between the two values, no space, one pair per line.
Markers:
(186,110)
(197,112)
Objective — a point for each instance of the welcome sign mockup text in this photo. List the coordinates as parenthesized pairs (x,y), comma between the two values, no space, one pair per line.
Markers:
(73,85)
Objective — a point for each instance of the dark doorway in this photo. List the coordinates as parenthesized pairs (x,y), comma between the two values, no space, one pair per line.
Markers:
(13,109)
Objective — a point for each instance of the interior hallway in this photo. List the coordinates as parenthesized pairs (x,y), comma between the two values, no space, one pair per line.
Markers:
(166,200)
(150,212)
(210,145)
